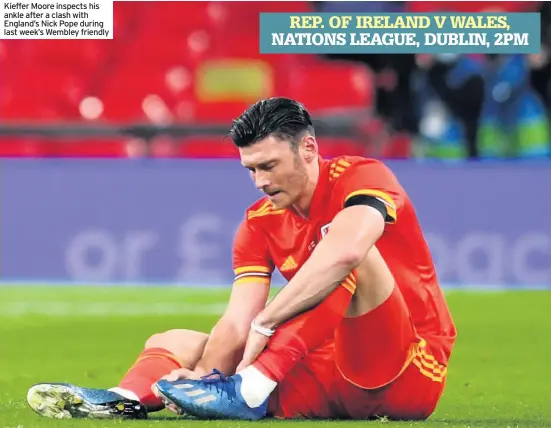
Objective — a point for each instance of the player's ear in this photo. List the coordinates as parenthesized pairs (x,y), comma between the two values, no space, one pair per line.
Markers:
(309,148)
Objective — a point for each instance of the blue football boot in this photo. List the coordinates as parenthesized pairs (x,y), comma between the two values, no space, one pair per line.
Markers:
(66,401)
(214,396)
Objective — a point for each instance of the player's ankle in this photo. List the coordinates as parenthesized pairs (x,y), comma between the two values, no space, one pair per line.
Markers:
(255,386)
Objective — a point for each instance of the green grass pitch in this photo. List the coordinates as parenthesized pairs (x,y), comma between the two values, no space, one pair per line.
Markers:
(499,375)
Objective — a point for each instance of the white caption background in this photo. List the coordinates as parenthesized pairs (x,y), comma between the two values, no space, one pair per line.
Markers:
(57,19)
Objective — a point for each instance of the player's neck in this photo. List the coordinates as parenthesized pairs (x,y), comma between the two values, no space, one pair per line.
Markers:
(303,205)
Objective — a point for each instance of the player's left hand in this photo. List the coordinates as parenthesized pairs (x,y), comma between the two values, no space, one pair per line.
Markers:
(256,343)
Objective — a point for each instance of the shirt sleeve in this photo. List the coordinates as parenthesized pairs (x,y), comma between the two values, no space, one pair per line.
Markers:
(371,179)
(251,257)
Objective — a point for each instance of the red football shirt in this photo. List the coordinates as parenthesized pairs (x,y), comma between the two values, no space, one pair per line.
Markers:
(270,238)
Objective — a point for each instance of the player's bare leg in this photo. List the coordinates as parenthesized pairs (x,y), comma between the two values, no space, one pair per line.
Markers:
(133,398)
(374,284)
(186,345)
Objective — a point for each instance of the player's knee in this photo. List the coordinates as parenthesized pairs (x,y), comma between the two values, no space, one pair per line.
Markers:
(187,345)
(156,341)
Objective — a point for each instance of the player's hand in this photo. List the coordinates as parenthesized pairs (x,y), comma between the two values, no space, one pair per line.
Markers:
(256,343)
(174,376)
(181,374)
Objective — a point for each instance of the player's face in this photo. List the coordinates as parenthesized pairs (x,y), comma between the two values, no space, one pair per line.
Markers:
(277,170)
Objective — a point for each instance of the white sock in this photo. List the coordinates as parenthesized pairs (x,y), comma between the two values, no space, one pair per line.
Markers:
(255,387)
(125,393)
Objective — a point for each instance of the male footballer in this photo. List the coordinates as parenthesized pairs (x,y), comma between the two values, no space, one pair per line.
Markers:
(361,329)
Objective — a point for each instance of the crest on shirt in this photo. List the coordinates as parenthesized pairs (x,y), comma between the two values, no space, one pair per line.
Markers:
(325,229)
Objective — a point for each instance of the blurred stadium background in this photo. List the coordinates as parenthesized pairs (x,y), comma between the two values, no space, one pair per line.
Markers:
(115,172)
(116,167)
(196,65)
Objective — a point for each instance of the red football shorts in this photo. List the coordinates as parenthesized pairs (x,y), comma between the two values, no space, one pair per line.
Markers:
(377,366)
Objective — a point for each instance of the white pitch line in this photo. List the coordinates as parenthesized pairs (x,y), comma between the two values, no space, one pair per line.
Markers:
(112,309)
(209,287)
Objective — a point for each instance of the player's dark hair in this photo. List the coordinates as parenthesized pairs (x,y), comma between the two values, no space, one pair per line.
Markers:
(282,118)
